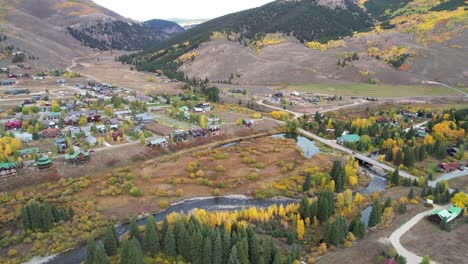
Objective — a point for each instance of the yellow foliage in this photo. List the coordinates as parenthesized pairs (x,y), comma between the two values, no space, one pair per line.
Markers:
(217,35)
(300,229)
(268,40)
(329,45)
(449,131)
(460,200)
(188,56)
(279,115)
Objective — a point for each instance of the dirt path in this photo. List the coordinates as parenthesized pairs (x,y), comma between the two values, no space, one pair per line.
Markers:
(411,258)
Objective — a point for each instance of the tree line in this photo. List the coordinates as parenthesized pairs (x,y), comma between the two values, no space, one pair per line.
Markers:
(42,217)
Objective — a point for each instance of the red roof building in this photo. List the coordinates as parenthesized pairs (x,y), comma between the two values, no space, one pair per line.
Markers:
(448,167)
(10,125)
(389,261)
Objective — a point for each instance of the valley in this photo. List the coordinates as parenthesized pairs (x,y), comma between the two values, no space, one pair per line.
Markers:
(328,131)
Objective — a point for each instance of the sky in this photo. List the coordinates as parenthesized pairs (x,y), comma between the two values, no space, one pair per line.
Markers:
(142,10)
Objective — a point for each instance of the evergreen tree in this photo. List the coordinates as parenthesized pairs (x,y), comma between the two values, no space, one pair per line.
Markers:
(398,159)
(233,258)
(55,213)
(207,251)
(135,252)
(388,202)
(277,258)
(101,257)
(46,218)
(133,229)
(125,253)
(242,250)
(313,210)
(218,250)
(389,155)
(326,205)
(375,215)
(307,183)
(296,252)
(110,242)
(90,251)
(254,246)
(195,248)
(411,193)
(395,180)
(226,243)
(71,213)
(151,240)
(408,159)
(170,243)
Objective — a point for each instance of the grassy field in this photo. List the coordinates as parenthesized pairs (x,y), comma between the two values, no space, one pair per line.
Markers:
(382,91)
(460,183)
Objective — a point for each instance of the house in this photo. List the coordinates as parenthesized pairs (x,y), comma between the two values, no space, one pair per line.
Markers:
(352,138)
(184,109)
(102,129)
(197,132)
(53,116)
(51,133)
(238,91)
(145,118)
(116,135)
(94,118)
(61,144)
(205,107)
(24,153)
(12,125)
(61,81)
(74,132)
(389,261)
(158,143)
(122,114)
(92,141)
(24,137)
(248,122)
(179,135)
(421,132)
(451,151)
(438,216)
(43,163)
(7,169)
(77,157)
(448,167)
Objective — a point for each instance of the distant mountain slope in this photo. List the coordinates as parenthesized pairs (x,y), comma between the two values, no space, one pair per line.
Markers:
(306,20)
(165,26)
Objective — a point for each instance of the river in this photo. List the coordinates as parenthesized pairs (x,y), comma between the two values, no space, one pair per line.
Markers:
(230,203)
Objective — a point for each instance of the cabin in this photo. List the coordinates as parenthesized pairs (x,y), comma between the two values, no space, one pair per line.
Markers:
(448,167)
(92,141)
(145,118)
(438,216)
(24,153)
(53,116)
(78,157)
(158,143)
(197,132)
(13,125)
(24,137)
(75,132)
(51,132)
(116,135)
(238,91)
(93,118)
(7,169)
(351,138)
(43,163)
(206,107)
(213,124)
(179,135)
(61,144)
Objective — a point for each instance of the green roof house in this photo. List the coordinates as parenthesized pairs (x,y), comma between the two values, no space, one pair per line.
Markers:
(7,168)
(26,152)
(438,216)
(352,138)
(43,163)
(77,157)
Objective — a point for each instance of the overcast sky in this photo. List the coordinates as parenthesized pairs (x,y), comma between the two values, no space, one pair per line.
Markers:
(149,9)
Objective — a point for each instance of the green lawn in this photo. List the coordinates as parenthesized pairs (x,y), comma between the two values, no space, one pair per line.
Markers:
(375,90)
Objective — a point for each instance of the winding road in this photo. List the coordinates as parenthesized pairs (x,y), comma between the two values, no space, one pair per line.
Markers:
(395,237)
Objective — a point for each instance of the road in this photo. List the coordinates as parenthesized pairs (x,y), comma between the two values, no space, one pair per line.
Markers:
(416,126)
(395,237)
(452,175)
(446,85)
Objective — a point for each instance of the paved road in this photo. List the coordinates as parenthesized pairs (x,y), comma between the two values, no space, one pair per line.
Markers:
(452,175)
(411,258)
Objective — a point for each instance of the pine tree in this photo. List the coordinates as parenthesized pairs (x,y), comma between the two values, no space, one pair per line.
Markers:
(135,252)
(218,250)
(375,215)
(326,205)
(277,258)
(226,243)
(388,202)
(207,251)
(395,180)
(90,251)
(151,240)
(398,159)
(110,244)
(242,250)
(233,258)
(170,243)
(55,213)
(25,218)
(134,232)
(101,257)
(125,252)
(71,213)
(307,183)
(411,193)
(254,246)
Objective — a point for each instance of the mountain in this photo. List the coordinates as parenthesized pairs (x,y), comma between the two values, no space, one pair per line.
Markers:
(165,26)
(400,41)
(187,23)
(55,31)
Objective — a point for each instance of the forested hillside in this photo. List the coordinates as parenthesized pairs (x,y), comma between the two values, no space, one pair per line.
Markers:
(165,26)
(118,35)
(306,20)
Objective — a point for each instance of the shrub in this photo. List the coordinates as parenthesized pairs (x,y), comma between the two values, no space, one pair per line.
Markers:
(193,167)
(163,204)
(179,192)
(12,252)
(220,156)
(216,192)
(253,176)
(220,185)
(347,244)
(220,168)
(200,174)
(205,182)
(135,191)
(260,165)
(248,160)
(414,201)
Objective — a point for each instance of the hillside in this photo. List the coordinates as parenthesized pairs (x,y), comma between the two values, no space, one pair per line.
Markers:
(55,31)
(165,26)
(402,41)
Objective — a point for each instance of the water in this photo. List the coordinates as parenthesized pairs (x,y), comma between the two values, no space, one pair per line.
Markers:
(307,146)
(231,144)
(229,203)
(365,215)
(377,183)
